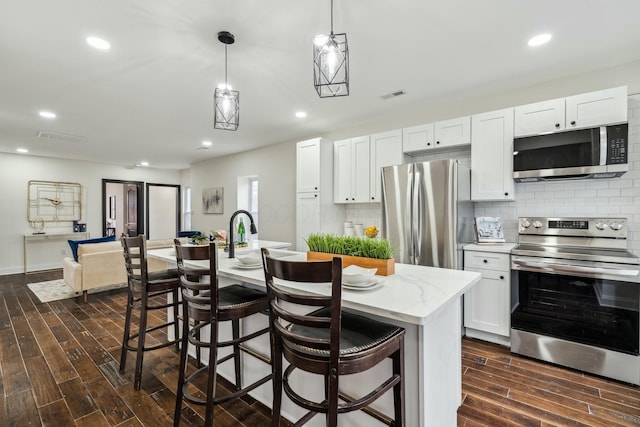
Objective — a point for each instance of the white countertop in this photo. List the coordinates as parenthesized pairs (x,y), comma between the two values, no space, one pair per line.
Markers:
(504,248)
(414,294)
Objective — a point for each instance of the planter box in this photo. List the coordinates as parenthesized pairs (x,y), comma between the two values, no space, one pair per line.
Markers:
(386,267)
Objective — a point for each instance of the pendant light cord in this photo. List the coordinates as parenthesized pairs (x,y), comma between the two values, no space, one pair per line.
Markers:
(225,68)
(331,17)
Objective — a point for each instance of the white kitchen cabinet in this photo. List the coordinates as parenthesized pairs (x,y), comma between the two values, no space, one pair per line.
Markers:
(487,311)
(315,210)
(442,134)
(598,108)
(540,117)
(308,165)
(492,156)
(418,138)
(351,161)
(586,110)
(386,150)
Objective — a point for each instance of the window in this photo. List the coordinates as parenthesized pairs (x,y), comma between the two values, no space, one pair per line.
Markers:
(253,197)
(248,196)
(186,208)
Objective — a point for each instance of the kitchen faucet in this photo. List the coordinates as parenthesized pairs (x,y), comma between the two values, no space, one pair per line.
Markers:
(252,228)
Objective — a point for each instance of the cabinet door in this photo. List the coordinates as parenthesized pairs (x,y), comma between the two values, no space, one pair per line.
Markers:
(360,161)
(386,150)
(307,218)
(486,305)
(598,108)
(454,132)
(308,166)
(540,117)
(492,156)
(417,138)
(342,171)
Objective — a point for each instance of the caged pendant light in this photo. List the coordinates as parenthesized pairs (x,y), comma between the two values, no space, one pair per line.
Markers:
(226,102)
(331,63)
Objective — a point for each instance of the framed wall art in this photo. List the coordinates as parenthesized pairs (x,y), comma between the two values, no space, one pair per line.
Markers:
(52,201)
(213,200)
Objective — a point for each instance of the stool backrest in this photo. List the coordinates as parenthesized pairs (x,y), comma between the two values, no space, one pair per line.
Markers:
(326,326)
(194,280)
(134,250)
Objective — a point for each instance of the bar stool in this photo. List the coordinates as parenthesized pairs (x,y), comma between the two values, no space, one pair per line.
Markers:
(143,288)
(205,304)
(328,341)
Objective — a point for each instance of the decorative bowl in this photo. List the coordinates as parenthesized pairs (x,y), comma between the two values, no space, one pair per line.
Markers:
(355,275)
(250,258)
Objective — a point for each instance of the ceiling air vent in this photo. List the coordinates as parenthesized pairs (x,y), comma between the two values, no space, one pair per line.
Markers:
(60,136)
(393,94)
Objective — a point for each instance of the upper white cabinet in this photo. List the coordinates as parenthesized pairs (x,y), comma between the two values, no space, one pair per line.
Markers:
(492,156)
(445,133)
(315,210)
(385,150)
(586,110)
(602,107)
(351,162)
(308,165)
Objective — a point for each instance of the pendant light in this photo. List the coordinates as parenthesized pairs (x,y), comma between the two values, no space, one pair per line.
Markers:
(226,101)
(331,63)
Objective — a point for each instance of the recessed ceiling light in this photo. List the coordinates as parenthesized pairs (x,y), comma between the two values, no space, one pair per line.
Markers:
(145,164)
(22,150)
(47,114)
(301,114)
(98,43)
(540,39)
(206,143)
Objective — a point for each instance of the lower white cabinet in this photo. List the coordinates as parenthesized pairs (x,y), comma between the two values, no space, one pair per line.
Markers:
(487,311)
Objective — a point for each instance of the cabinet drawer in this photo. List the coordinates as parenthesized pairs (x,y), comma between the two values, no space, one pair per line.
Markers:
(491,274)
(486,260)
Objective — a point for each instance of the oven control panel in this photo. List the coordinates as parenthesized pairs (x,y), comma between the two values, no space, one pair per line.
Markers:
(582,227)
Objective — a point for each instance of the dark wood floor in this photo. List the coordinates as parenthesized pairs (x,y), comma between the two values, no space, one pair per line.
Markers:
(59,367)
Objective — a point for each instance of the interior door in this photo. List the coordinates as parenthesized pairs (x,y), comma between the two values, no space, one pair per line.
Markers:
(163,211)
(122,207)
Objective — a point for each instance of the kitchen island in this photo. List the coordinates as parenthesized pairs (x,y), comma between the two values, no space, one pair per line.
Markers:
(423,300)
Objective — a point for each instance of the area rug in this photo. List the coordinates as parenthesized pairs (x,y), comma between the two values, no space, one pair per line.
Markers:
(54,290)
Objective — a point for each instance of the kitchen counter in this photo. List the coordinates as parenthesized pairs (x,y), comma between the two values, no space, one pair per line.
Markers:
(503,248)
(423,300)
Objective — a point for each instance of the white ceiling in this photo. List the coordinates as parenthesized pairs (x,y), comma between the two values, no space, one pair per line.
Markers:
(151,96)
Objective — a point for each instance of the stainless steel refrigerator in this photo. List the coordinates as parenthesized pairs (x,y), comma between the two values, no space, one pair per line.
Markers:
(427,213)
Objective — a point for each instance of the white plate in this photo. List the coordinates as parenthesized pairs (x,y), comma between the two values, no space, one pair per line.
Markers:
(242,266)
(370,286)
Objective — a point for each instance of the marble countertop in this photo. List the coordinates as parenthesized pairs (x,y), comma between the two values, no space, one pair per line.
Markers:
(504,248)
(414,294)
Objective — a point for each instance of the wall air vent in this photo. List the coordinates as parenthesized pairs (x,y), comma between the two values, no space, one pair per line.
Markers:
(60,136)
(393,94)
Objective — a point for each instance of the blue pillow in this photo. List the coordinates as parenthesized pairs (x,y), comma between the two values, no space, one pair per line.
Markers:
(74,243)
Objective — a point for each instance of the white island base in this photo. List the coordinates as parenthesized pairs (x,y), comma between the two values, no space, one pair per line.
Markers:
(423,300)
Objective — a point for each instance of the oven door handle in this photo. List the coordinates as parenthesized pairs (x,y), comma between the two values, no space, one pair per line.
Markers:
(544,266)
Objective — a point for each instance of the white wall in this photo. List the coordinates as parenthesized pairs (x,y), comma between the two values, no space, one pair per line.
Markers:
(17,170)
(275,168)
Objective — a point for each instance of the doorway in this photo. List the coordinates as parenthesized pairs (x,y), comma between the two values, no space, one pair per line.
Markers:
(163,211)
(122,207)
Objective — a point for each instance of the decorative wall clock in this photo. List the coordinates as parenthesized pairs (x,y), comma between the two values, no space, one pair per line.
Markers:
(54,201)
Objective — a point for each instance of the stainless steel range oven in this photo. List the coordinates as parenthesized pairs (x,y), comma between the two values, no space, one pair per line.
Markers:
(576,294)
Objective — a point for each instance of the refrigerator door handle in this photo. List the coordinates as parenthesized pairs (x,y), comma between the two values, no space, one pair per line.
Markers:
(416,212)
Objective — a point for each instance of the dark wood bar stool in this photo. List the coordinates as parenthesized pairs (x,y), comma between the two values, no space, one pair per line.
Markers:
(143,289)
(205,304)
(329,342)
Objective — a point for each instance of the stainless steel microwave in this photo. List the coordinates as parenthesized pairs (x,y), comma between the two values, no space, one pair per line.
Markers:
(599,152)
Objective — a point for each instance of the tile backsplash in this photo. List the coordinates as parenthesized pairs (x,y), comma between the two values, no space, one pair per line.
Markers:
(616,197)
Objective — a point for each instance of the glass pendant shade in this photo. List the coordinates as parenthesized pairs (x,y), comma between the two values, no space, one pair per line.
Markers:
(331,65)
(227,109)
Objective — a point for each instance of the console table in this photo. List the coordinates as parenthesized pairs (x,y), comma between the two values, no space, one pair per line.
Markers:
(45,251)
